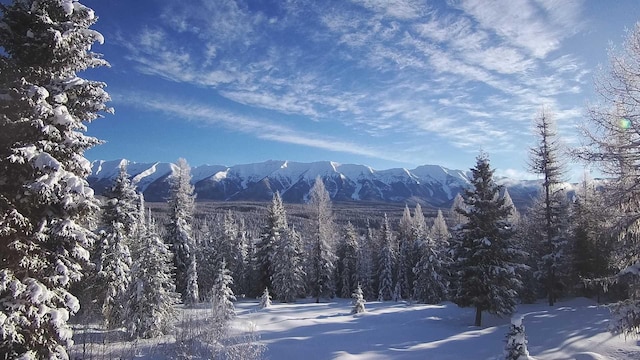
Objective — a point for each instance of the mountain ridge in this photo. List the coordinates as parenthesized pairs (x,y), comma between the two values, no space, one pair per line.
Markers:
(431,185)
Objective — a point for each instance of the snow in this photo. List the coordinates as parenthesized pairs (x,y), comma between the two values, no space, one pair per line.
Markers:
(575,329)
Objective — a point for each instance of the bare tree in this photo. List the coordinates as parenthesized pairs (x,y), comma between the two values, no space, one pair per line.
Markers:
(612,138)
(546,160)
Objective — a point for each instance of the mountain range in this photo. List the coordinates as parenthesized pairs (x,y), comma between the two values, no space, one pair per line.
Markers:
(430,185)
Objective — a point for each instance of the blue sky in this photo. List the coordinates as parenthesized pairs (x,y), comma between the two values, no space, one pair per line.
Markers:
(395,83)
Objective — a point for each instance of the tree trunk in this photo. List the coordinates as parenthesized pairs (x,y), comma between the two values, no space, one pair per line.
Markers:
(478,316)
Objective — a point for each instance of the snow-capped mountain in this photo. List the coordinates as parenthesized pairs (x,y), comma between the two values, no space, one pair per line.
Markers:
(429,184)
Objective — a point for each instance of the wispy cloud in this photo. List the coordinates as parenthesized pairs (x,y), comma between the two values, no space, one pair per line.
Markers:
(473,75)
(263,129)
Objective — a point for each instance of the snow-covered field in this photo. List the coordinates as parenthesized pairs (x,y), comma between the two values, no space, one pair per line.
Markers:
(574,329)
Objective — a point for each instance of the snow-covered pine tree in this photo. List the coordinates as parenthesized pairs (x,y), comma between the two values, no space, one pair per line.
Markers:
(439,231)
(486,261)
(322,257)
(365,263)
(514,217)
(288,273)
(358,301)
(150,297)
(432,270)
(46,205)
(546,160)
(119,226)
(612,137)
(265,299)
(406,259)
(348,261)
(275,228)
(179,232)
(458,203)
(222,301)
(592,242)
(386,262)
(516,347)
(207,258)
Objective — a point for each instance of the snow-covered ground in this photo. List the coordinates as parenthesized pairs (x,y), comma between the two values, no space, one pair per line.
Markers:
(573,329)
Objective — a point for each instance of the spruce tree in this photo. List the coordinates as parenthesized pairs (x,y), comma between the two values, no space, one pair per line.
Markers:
(150,298)
(265,299)
(275,228)
(365,263)
(486,261)
(120,221)
(288,274)
(46,206)
(179,232)
(514,216)
(406,259)
(222,301)
(322,256)
(432,270)
(348,261)
(516,347)
(386,262)
(358,301)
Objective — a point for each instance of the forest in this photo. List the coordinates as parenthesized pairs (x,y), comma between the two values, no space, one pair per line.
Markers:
(70,257)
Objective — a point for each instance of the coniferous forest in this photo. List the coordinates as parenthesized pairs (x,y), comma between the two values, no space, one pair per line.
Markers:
(69,257)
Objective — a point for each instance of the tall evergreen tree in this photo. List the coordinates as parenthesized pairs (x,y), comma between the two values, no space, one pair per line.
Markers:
(439,230)
(485,258)
(365,263)
(457,217)
(348,261)
(150,298)
(275,228)
(514,217)
(386,262)
(288,273)
(546,160)
(406,259)
(432,270)
(120,222)
(222,301)
(179,232)
(322,256)
(46,205)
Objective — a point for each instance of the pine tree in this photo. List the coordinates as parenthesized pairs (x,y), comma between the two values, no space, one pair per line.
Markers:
(457,217)
(358,301)
(406,261)
(151,296)
(275,228)
(365,263)
(546,160)
(386,263)
(288,274)
(439,231)
(265,299)
(432,270)
(514,216)
(179,232)
(516,347)
(120,222)
(208,257)
(46,205)
(222,301)
(322,256)
(485,259)
(348,261)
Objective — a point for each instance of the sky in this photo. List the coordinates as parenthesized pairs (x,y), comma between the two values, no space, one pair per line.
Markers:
(383,83)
